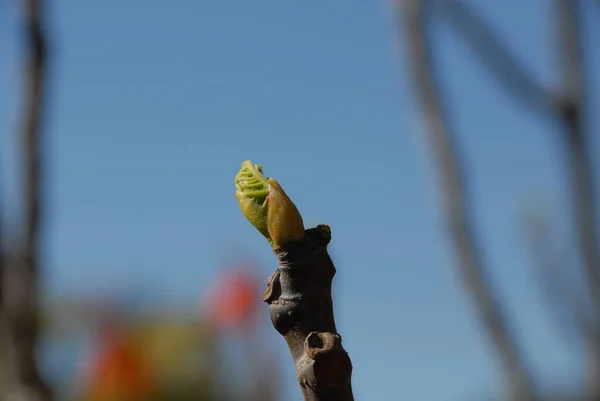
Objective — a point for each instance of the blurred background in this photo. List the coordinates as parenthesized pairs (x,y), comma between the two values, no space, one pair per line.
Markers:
(150,277)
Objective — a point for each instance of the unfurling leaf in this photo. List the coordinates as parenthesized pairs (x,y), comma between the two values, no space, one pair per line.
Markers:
(266,206)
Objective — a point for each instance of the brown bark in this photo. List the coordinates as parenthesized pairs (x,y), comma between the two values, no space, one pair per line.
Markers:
(299,298)
(571,109)
(20,305)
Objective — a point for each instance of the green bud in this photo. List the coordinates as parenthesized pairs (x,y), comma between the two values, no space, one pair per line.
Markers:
(266,206)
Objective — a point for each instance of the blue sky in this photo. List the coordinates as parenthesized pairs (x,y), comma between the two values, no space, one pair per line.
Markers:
(155,104)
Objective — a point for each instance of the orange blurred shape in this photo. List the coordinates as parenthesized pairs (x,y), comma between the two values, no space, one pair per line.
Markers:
(234,298)
(119,371)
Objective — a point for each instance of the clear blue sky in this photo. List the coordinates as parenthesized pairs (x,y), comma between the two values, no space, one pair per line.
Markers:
(156,103)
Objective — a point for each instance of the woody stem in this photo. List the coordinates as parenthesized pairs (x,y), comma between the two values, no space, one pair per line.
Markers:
(301,309)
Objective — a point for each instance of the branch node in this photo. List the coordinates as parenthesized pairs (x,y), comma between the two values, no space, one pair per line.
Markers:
(317,344)
(273,288)
(325,357)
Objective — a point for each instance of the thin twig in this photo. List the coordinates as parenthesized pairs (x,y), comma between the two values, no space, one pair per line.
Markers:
(23,380)
(491,50)
(441,142)
(574,137)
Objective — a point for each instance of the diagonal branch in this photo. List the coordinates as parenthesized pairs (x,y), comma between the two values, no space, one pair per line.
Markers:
(23,380)
(572,109)
(492,51)
(571,112)
(472,268)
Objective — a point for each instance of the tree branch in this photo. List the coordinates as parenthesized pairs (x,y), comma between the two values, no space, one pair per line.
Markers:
(492,52)
(574,137)
(3,263)
(572,109)
(441,142)
(23,380)
(299,298)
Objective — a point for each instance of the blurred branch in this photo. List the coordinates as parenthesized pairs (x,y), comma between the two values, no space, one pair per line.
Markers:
(571,111)
(441,142)
(492,52)
(3,259)
(521,84)
(23,380)
(3,263)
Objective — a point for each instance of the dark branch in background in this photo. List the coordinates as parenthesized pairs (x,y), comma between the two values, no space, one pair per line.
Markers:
(21,310)
(492,52)
(524,88)
(3,259)
(299,298)
(522,85)
(572,103)
(441,142)
(575,144)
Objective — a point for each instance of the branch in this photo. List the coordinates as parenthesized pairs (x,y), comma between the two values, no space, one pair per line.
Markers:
(492,52)
(571,111)
(299,292)
(522,85)
(474,272)
(3,260)
(23,380)
(575,140)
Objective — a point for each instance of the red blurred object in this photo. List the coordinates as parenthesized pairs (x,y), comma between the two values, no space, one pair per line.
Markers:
(118,370)
(233,300)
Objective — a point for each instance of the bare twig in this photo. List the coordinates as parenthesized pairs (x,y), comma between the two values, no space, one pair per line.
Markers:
(23,380)
(572,109)
(467,250)
(492,52)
